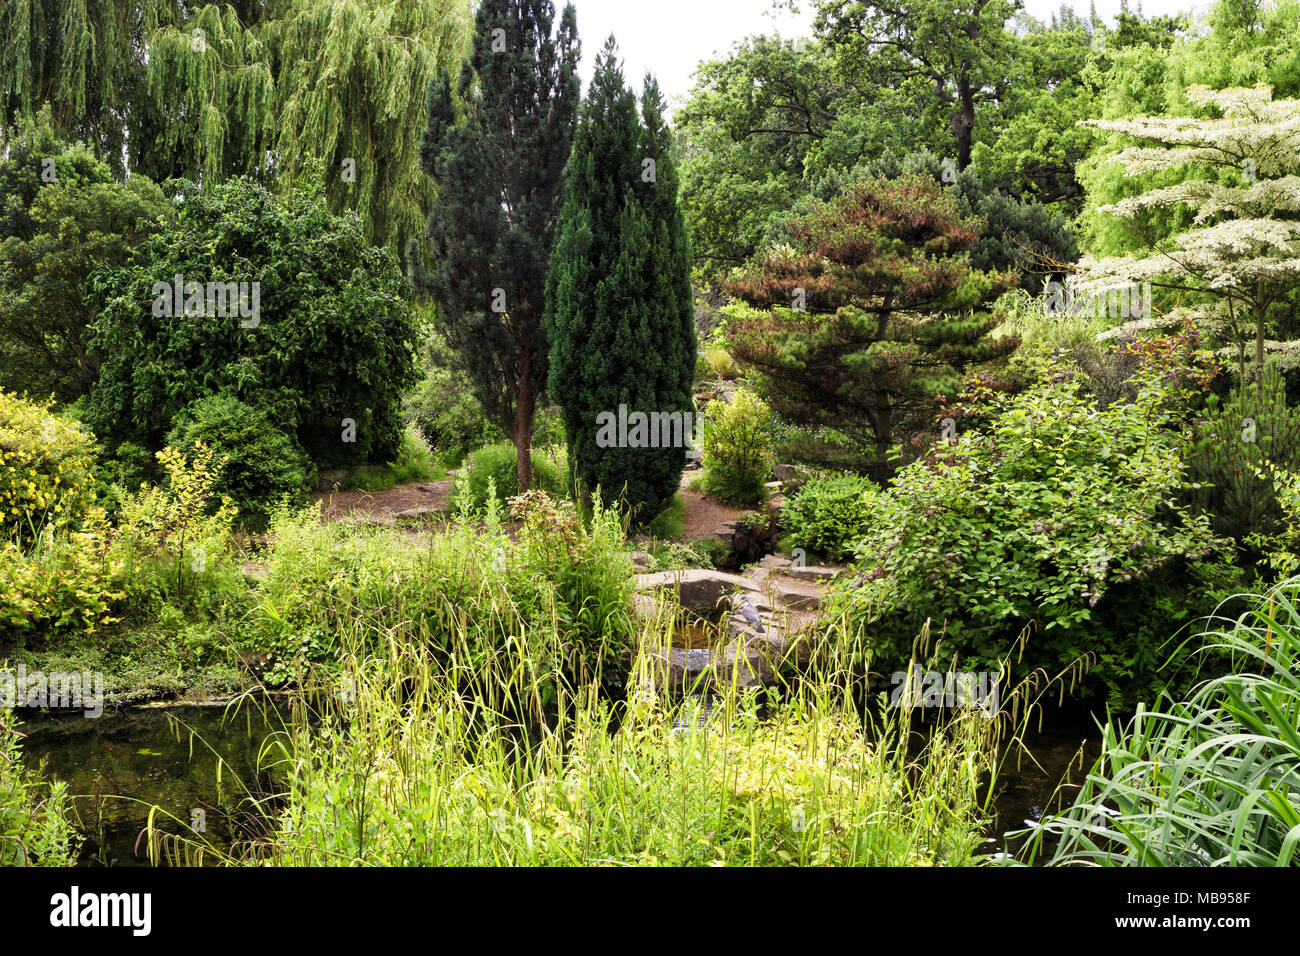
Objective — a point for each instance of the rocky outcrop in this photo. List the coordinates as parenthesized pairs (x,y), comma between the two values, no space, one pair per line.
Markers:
(752,648)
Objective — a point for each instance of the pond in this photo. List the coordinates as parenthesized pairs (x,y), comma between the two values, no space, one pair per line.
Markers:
(122,764)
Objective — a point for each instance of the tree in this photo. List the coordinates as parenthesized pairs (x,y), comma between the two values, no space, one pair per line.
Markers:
(279,304)
(280,90)
(960,50)
(618,303)
(500,171)
(62,215)
(871,313)
(1240,254)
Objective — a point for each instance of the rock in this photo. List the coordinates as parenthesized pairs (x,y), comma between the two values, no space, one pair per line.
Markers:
(698,589)
(775,562)
(640,559)
(814,572)
(796,594)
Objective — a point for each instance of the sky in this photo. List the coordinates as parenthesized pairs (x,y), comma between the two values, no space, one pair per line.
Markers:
(671,37)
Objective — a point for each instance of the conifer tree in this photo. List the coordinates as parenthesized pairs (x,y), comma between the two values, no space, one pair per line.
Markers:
(496,144)
(619,305)
(872,312)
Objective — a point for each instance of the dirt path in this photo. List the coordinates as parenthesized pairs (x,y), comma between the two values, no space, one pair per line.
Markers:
(384,507)
(704,515)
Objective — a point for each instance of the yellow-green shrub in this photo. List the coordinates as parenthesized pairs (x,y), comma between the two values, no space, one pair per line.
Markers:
(65,581)
(737,453)
(45,469)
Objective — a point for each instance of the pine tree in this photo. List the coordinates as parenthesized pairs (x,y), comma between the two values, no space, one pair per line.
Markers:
(873,312)
(1241,255)
(619,305)
(499,170)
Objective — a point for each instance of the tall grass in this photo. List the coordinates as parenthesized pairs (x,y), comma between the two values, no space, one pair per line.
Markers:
(410,772)
(1210,781)
(406,763)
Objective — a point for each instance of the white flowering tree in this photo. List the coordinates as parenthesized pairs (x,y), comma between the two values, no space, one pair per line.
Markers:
(1241,254)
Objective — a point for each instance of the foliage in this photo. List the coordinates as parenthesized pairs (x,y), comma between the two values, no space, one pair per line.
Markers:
(64,582)
(550,601)
(1236,172)
(45,470)
(262,466)
(1238,452)
(175,536)
(737,448)
(491,473)
(961,52)
(36,816)
(1033,522)
(443,407)
(872,313)
(1212,780)
(431,776)
(284,92)
(830,515)
(332,340)
(496,145)
(620,314)
(62,215)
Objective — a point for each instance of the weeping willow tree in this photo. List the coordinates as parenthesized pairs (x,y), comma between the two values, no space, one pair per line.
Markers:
(275,89)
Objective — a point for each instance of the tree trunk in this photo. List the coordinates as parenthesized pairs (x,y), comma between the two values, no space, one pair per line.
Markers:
(1261,310)
(524,420)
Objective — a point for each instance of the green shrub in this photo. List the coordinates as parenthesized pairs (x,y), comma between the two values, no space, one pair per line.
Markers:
(174,537)
(36,827)
(737,453)
(830,515)
(1038,522)
(444,408)
(263,466)
(46,464)
(499,464)
(65,581)
(1237,452)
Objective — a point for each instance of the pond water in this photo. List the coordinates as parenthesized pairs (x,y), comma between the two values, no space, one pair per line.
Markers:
(123,763)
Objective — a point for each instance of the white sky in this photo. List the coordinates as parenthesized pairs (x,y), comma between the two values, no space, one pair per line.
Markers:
(671,37)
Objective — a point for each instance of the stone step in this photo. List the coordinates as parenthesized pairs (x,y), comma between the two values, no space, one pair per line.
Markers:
(775,562)
(797,594)
(820,573)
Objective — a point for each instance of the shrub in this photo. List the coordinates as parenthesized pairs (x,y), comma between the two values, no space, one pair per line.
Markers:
(68,581)
(830,515)
(737,452)
(1035,522)
(36,827)
(262,465)
(317,327)
(45,469)
(173,536)
(1238,450)
(497,463)
(444,408)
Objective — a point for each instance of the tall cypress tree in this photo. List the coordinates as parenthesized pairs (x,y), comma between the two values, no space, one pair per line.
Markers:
(619,308)
(496,145)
